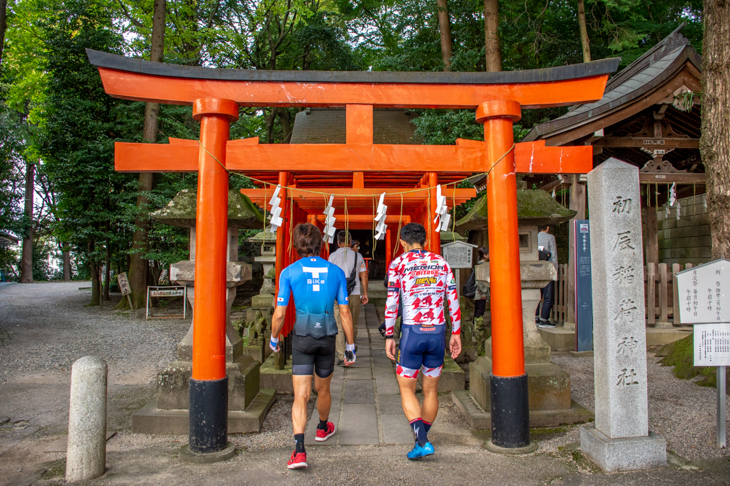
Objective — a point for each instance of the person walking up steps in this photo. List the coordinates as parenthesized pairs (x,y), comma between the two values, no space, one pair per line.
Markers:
(315,284)
(423,280)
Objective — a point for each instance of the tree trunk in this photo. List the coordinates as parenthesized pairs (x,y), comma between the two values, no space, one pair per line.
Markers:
(66,265)
(138,266)
(445,30)
(107,271)
(715,138)
(26,265)
(584,31)
(94,269)
(491,35)
(3,25)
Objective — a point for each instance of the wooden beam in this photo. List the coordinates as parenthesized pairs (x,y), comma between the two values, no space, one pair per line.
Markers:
(670,177)
(248,156)
(647,142)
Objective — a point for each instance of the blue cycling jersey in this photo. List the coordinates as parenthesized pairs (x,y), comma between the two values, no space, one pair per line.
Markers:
(315,283)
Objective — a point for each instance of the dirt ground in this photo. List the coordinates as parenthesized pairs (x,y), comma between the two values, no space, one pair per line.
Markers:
(44,328)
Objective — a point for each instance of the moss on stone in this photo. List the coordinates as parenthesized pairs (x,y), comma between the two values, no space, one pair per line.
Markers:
(181,211)
(680,355)
(534,207)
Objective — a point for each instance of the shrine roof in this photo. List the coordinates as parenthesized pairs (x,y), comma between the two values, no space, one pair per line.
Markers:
(181,211)
(560,73)
(645,75)
(534,207)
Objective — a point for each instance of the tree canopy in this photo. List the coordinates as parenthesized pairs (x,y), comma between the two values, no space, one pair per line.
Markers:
(55,115)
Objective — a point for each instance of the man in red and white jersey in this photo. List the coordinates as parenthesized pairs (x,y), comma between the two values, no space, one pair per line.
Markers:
(424,282)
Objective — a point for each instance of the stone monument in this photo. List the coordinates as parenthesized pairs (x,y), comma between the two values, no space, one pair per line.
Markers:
(248,404)
(620,439)
(548,385)
(258,316)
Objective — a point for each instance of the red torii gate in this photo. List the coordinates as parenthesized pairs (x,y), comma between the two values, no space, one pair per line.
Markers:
(217,94)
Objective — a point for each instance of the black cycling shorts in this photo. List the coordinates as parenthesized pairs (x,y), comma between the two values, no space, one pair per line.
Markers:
(313,355)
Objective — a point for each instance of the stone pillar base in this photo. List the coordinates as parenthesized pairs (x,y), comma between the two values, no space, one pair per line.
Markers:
(624,454)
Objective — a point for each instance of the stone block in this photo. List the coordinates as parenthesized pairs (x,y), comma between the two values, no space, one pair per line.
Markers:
(262,301)
(452,376)
(478,418)
(623,454)
(702,252)
(173,384)
(279,380)
(660,337)
(152,420)
(359,425)
(559,338)
(359,391)
(389,404)
(396,429)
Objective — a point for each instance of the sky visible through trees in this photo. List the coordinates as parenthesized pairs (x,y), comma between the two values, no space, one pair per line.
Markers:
(55,116)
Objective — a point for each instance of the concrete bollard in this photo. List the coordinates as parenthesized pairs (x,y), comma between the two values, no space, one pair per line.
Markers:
(86,453)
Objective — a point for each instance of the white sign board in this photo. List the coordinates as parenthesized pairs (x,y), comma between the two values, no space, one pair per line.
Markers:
(124,283)
(703,293)
(458,254)
(171,292)
(712,345)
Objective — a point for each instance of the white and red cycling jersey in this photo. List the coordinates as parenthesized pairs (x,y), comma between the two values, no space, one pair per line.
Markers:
(422,280)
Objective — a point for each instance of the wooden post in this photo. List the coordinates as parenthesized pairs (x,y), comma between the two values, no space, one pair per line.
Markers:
(663,322)
(651,240)
(209,383)
(577,203)
(650,293)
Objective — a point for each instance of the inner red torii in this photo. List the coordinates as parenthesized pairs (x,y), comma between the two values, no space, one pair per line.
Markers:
(217,94)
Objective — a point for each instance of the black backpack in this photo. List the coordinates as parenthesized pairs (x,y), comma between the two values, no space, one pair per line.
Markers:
(470,287)
(352,279)
(544,255)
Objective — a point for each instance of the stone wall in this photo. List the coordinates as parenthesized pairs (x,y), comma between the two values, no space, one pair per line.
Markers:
(687,239)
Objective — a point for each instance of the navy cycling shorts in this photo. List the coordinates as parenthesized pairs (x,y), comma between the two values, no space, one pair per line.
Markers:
(421,350)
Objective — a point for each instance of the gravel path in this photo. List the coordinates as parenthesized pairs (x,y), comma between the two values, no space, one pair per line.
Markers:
(679,410)
(45,328)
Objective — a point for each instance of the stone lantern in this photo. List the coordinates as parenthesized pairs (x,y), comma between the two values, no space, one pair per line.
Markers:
(247,403)
(259,315)
(548,385)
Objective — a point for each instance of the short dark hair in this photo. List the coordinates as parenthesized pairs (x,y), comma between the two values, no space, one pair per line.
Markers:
(543,227)
(354,242)
(413,233)
(307,239)
(342,235)
(483,252)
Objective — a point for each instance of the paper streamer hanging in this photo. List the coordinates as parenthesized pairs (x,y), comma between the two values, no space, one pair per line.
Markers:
(275,210)
(380,216)
(329,222)
(442,212)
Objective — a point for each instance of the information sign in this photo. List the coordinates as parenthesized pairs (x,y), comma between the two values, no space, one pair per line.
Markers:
(167,291)
(124,283)
(458,254)
(171,292)
(712,344)
(583,285)
(703,293)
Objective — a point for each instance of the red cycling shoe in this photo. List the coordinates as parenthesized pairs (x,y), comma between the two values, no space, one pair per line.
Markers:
(323,435)
(297,461)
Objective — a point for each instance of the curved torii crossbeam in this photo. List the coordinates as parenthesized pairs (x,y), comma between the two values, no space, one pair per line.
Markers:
(217,94)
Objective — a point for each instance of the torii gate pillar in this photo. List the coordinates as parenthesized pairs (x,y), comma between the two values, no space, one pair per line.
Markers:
(209,383)
(509,397)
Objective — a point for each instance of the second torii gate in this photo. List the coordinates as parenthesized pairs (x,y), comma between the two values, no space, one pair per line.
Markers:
(216,96)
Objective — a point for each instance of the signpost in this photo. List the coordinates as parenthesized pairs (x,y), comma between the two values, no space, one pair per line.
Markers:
(124,287)
(583,286)
(458,255)
(168,291)
(702,292)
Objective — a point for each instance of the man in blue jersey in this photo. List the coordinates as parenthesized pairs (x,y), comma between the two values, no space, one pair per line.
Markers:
(424,283)
(315,284)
